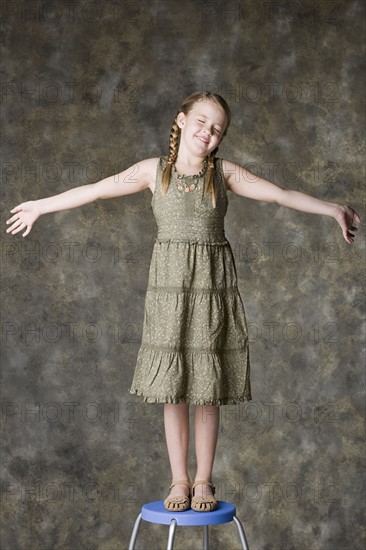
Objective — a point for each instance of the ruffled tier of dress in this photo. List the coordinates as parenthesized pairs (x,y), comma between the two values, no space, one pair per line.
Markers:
(194,346)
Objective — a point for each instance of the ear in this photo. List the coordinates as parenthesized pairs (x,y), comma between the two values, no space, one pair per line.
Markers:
(180,119)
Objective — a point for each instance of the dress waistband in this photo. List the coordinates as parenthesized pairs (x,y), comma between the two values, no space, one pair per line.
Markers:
(191,230)
(214,238)
(192,241)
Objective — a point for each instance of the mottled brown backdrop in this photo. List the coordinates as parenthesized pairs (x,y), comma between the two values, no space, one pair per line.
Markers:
(88,89)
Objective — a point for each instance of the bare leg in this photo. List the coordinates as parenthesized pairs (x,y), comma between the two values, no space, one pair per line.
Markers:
(176,421)
(207,419)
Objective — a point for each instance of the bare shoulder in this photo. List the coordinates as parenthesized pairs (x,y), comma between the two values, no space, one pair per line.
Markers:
(147,171)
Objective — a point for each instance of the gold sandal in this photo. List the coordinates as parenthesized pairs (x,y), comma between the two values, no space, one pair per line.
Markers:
(200,504)
(178,503)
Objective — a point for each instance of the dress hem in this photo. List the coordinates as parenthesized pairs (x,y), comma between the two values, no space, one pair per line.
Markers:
(192,401)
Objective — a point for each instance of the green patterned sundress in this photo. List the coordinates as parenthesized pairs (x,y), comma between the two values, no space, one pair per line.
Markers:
(194,346)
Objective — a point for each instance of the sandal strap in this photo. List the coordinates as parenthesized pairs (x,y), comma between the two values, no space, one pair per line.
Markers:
(182,482)
(203,482)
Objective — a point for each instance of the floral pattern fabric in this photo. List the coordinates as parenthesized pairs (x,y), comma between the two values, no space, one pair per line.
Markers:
(194,346)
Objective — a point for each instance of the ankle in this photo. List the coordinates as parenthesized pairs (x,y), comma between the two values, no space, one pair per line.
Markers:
(203,479)
(183,476)
(182,481)
(203,490)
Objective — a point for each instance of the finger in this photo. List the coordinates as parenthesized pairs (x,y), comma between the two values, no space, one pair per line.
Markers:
(15,225)
(347,234)
(357,217)
(22,226)
(28,230)
(16,209)
(348,239)
(10,229)
(13,218)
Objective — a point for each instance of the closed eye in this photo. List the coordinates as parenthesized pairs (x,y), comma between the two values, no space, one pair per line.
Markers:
(216,129)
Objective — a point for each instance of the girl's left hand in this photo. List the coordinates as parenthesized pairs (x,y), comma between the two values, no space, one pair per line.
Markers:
(346,217)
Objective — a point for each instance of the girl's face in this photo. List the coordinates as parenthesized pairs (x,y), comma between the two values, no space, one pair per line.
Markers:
(203,127)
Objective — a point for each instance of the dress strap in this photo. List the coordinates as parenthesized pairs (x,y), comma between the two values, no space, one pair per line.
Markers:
(220,173)
(159,170)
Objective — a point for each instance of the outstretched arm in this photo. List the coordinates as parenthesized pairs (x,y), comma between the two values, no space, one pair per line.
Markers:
(242,182)
(132,180)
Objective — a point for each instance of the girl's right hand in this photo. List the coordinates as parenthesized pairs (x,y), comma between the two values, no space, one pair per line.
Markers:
(25,215)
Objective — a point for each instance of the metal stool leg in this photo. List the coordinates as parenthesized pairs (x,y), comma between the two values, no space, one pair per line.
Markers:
(205,537)
(242,536)
(171,536)
(135,532)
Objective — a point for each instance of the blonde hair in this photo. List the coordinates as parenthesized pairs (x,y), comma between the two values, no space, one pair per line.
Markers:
(174,140)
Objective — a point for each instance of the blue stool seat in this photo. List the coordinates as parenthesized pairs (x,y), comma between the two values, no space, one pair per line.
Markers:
(154,512)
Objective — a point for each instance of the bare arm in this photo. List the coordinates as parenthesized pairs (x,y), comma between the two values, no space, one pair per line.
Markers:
(242,182)
(132,180)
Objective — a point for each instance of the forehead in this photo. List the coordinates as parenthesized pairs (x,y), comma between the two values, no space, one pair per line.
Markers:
(209,109)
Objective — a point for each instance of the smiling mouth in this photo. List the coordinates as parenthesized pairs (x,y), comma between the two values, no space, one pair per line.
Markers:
(202,139)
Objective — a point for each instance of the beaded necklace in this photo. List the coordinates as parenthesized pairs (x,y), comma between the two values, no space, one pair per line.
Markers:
(193,180)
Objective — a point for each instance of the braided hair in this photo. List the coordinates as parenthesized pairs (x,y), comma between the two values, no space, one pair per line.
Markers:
(174,139)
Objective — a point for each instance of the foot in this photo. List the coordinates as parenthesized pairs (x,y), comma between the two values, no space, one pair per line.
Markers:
(203,499)
(203,490)
(179,496)
(179,490)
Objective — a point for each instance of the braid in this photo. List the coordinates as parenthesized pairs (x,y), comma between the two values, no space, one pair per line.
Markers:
(209,179)
(173,153)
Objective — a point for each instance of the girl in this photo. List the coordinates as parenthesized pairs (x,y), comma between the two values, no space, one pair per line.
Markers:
(194,347)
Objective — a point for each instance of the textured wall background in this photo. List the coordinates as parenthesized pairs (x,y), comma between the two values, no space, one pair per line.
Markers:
(89,88)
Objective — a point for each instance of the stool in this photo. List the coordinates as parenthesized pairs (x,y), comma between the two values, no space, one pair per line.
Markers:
(154,512)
